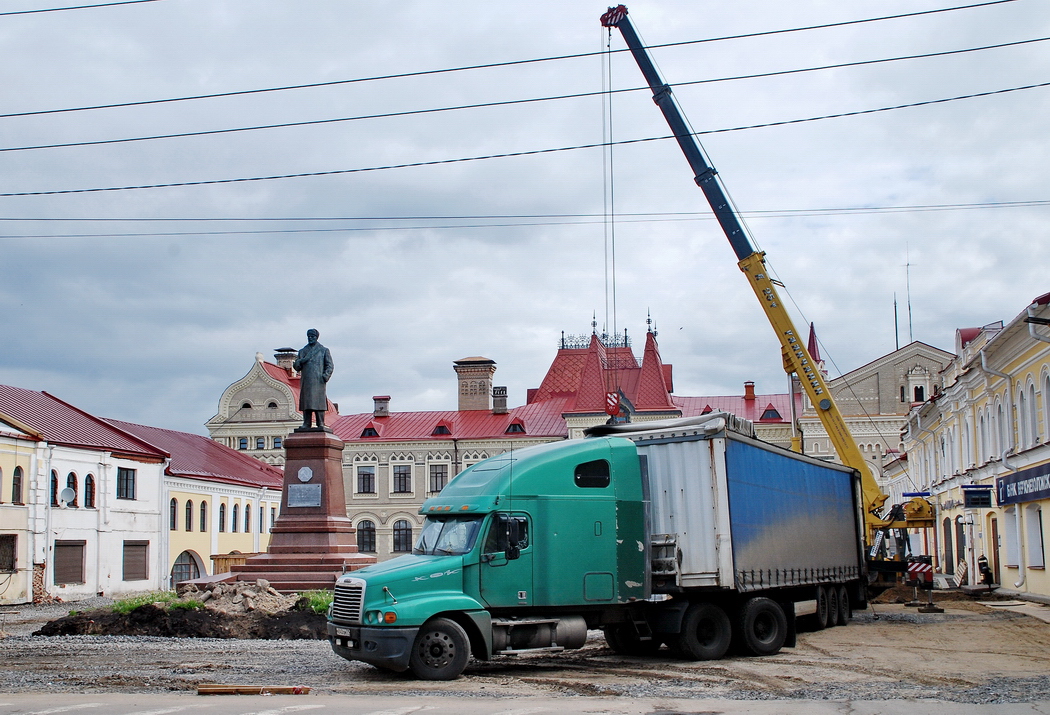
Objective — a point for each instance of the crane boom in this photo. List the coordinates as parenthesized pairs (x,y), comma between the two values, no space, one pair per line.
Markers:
(797,360)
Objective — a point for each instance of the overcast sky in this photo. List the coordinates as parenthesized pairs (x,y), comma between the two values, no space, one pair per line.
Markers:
(149,320)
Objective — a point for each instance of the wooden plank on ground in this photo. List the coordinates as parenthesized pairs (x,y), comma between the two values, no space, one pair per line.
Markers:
(224,689)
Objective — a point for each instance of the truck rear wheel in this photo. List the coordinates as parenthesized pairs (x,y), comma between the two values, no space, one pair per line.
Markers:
(706,633)
(762,626)
(821,617)
(844,608)
(441,650)
(833,605)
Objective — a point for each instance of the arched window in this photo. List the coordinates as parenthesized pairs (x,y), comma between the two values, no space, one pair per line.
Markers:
(247,518)
(89,492)
(16,486)
(1033,418)
(189,515)
(71,483)
(1000,429)
(234,516)
(278,442)
(402,536)
(54,488)
(366,536)
(222,517)
(185,568)
(260,443)
(204,516)
(1022,419)
(173,514)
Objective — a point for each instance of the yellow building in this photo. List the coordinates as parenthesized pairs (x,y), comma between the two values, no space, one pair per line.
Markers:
(220,504)
(981,447)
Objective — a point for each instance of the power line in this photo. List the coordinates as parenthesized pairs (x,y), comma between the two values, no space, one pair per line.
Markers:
(489,65)
(510,102)
(507,155)
(509,220)
(73,7)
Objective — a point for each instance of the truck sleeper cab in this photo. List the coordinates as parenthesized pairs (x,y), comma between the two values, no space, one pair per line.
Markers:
(689,533)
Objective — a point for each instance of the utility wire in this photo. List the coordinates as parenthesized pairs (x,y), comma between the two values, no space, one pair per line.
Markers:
(507,155)
(73,7)
(509,102)
(490,65)
(704,215)
(522,220)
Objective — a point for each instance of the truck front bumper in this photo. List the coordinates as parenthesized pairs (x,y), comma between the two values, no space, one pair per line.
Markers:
(388,648)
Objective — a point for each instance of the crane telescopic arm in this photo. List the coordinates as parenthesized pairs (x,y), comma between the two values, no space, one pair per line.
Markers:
(752,262)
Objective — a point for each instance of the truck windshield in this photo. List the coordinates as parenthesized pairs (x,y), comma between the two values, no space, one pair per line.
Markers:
(447,535)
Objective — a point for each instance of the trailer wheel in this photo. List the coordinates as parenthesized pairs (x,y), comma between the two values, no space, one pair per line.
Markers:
(833,606)
(762,626)
(623,639)
(823,614)
(441,650)
(845,612)
(706,633)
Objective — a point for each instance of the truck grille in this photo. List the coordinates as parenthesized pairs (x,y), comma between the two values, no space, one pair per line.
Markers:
(349,600)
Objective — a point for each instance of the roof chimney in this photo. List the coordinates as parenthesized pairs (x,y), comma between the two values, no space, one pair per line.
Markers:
(474,375)
(499,400)
(382,406)
(749,390)
(285,357)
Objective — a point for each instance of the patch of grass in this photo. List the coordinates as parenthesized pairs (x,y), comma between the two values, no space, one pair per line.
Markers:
(128,605)
(191,604)
(316,601)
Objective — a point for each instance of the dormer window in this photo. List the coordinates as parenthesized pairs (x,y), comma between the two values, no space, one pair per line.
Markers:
(515,428)
(369,432)
(707,410)
(441,429)
(770,414)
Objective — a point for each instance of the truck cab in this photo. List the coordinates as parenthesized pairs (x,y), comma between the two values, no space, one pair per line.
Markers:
(522,551)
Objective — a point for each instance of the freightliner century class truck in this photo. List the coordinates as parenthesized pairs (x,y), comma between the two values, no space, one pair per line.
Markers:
(688,532)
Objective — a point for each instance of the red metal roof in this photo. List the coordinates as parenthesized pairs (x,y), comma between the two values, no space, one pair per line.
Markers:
(587,374)
(736,404)
(539,419)
(61,423)
(198,457)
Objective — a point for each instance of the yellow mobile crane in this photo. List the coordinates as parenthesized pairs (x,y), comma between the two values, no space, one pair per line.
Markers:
(916,513)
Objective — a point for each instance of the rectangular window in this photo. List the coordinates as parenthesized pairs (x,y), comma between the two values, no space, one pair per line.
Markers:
(136,561)
(7,552)
(69,562)
(273,516)
(366,480)
(438,477)
(402,478)
(125,483)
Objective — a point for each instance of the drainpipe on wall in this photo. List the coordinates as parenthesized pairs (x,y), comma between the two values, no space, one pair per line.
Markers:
(1032,324)
(1006,463)
(929,486)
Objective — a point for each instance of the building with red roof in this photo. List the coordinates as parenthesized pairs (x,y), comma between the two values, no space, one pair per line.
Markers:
(92,506)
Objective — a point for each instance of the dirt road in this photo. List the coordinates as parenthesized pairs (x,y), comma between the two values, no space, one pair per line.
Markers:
(971,653)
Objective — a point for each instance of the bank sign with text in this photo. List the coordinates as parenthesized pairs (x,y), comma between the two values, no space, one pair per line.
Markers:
(1026,485)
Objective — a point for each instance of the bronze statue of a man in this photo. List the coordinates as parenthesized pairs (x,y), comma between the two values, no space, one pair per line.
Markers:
(315,366)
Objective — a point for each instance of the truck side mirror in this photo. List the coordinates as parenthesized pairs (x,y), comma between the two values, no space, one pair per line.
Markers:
(513,538)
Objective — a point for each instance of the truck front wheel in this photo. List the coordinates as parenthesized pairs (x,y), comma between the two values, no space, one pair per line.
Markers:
(441,650)
(762,626)
(706,633)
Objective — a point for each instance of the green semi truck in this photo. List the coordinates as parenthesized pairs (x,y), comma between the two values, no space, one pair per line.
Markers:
(689,533)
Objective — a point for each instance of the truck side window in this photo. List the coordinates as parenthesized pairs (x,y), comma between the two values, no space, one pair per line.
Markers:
(592,474)
(497,538)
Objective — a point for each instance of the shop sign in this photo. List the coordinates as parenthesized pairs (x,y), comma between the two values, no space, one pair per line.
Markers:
(1026,485)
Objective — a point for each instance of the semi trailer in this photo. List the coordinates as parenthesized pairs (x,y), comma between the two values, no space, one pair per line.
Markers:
(688,532)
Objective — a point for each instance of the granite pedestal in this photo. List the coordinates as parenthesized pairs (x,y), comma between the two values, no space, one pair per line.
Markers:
(313,541)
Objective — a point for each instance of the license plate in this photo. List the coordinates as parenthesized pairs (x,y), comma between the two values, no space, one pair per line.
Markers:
(345,632)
